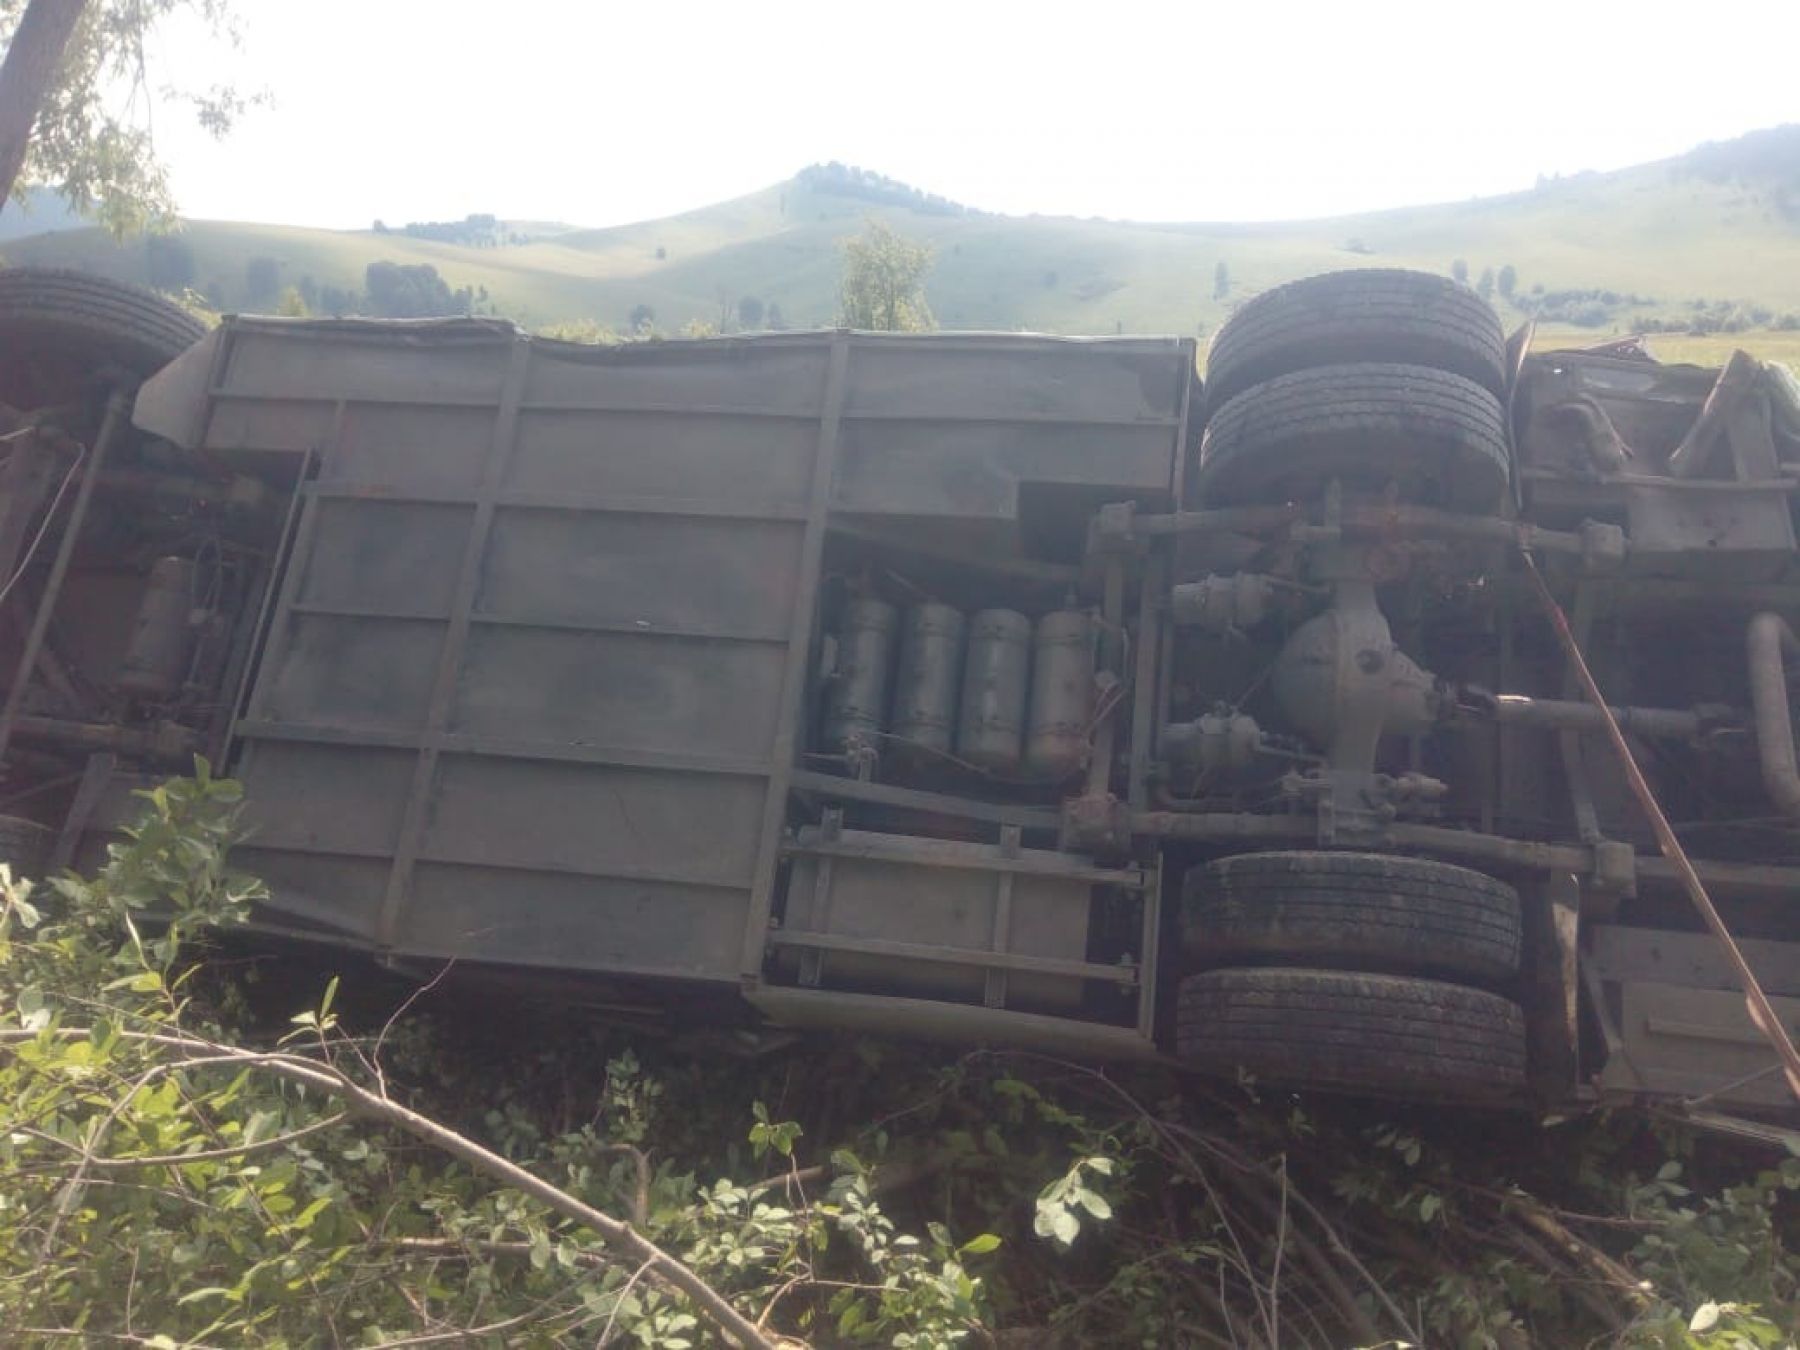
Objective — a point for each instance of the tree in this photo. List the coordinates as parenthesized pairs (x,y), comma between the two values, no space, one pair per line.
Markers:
(750,312)
(1509,281)
(1485,286)
(1459,270)
(411,291)
(168,262)
(1221,281)
(774,318)
(62,122)
(262,279)
(33,55)
(292,304)
(641,320)
(883,285)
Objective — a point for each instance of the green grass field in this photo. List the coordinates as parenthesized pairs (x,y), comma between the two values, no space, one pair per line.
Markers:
(1659,233)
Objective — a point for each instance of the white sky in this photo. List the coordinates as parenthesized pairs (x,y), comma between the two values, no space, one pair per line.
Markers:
(602,112)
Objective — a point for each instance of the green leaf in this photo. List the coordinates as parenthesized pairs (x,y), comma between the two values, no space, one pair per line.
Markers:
(980,1246)
(1093,1202)
(1065,1227)
(34,1015)
(211,1291)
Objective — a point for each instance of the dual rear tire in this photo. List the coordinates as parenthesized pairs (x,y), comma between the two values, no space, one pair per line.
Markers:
(1353,972)
(1383,380)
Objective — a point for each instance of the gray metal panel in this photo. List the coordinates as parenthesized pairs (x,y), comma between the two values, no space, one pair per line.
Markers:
(597,819)
(782,375)
(1697,1042)
(636,691)
(953,426)
(344,798)
(980,377)
(573,922)
(976,469)
(544,655)
(426,363)
(411,448)
(357,673)
(1695,960)
(532,686)
(275,424)
(336,891)
(395,556)
(654,573)
(664,457)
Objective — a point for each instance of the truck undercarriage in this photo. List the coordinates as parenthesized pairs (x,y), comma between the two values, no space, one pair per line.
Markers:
(983,687)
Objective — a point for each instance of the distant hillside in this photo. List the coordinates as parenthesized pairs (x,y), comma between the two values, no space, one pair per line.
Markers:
(1710,239)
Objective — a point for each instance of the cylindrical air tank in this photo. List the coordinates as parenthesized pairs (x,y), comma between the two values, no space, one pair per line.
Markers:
(1062,694)
(990,727)
(858,697)
(931,661)
(156,655)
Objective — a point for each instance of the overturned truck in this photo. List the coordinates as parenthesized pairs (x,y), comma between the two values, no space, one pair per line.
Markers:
(991,687)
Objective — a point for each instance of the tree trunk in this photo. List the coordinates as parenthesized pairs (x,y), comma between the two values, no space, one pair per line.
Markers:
(30,68)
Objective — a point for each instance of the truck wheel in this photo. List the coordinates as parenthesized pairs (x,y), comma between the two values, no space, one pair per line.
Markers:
(1439,438)
(1371,314)
(1351,911)
(1378,1034)
(57,327)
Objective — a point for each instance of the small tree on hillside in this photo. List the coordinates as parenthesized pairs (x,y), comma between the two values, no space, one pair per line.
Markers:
(1221,281)
(642,319)
(750,312)
(1509,281)
(168,262)
(1485,287)
(262,279)
(883,286)
(1459,270)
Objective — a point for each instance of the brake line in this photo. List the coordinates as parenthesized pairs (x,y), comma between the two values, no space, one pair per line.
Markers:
(1762,1013)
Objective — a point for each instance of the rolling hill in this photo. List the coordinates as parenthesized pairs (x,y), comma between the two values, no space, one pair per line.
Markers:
(1715,233)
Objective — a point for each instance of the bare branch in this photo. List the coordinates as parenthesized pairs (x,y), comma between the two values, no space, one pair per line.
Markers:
(268,1145)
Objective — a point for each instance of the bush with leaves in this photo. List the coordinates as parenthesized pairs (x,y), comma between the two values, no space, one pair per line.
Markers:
(466,1170)
(172,1184)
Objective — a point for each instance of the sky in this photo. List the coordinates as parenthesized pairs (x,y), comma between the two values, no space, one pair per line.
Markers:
(599,113)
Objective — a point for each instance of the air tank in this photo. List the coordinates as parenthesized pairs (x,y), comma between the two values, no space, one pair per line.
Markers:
(858,698)
(931,659)
(156,655)
(1062,694)
(990,726)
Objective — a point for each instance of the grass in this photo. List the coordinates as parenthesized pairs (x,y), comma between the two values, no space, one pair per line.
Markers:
(1656,232)
(1712,349)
